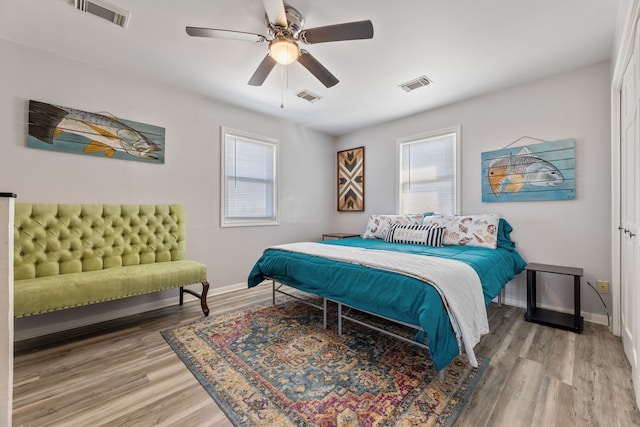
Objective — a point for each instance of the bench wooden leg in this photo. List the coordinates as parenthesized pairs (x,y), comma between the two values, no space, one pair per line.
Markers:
(201,296)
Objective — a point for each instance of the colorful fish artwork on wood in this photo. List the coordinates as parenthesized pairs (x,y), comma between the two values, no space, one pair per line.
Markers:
(57,128)
(544,171)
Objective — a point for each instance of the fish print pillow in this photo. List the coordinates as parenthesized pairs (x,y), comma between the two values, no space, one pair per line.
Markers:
(378,226)
(467,230)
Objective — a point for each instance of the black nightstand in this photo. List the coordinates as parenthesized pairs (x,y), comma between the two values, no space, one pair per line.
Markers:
(334,236)
(573,322)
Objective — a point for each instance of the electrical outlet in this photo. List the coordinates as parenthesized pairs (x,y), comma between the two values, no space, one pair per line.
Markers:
(603,286)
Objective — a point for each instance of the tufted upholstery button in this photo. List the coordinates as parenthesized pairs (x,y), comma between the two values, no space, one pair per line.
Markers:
(34,240)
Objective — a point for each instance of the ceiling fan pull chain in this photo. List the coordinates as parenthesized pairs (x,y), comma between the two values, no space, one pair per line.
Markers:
(282,83)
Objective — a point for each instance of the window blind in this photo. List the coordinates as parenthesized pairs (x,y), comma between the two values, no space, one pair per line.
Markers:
(428,175)
(249,180)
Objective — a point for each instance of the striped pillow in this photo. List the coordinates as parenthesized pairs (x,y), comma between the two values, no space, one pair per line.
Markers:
(429,235)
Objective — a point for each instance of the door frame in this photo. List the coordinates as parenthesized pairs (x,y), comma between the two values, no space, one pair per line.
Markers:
(625,40)
(622,55)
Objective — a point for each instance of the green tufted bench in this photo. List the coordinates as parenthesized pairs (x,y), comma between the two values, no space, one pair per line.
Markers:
(73,255)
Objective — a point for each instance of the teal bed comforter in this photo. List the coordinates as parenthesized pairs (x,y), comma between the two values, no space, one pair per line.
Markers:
(390,294)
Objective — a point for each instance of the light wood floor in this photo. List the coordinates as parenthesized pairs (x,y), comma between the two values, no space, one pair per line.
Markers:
(123,373)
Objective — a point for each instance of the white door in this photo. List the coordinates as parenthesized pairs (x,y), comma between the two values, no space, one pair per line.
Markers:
(629,210)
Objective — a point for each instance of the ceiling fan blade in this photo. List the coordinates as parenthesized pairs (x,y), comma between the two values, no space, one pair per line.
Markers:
(224,34)
(275,12)
(262,72)
(317,69)
(333,33)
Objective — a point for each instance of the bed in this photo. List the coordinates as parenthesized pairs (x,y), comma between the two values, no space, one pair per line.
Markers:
(383,288)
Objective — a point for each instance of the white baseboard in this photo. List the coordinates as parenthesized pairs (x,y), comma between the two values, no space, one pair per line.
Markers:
(228,288)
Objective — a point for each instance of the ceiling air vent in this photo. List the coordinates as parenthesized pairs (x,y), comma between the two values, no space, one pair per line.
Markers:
(415,84)
(104,10)
(305,94)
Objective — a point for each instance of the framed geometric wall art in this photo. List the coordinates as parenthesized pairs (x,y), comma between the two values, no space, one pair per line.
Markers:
(542,171)
(351,180)
(57,128)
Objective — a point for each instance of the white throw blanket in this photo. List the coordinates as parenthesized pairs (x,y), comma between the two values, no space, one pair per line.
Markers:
(457,282)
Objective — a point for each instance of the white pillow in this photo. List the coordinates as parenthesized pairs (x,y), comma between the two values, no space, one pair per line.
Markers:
(378,225)
(429,235)
(469,230)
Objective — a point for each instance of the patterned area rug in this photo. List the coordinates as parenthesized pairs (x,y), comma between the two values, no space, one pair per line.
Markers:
(277,366)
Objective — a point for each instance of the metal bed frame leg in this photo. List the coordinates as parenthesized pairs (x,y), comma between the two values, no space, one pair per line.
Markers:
(324,312)
(339,318)
(273,292)
(441,374)
(501,297)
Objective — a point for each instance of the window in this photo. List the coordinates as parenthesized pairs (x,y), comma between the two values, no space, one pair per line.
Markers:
(428,172)
(248,181)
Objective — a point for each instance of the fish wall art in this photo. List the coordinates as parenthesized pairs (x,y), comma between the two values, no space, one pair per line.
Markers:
(544,171)
(57,128)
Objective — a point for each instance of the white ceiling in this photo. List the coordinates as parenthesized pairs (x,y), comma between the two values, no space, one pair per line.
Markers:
(466,47)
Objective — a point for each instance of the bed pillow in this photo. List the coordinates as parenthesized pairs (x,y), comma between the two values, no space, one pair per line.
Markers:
(379,225)
(468,230)
(429,235)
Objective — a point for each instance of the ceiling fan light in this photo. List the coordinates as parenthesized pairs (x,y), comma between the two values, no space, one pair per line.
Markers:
(284,51)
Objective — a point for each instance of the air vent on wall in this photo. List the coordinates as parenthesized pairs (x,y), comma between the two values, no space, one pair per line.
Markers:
(305,94)
(415,84)
(104,10)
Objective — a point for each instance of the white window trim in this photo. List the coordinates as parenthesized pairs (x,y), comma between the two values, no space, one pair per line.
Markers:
(458,155)
(224,131)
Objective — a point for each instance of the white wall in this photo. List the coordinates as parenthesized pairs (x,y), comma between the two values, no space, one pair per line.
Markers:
(573,105)
(6,308)
(574,232)
(190,175)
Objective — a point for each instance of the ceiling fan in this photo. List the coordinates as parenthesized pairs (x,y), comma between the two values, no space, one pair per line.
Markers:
(285,26)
